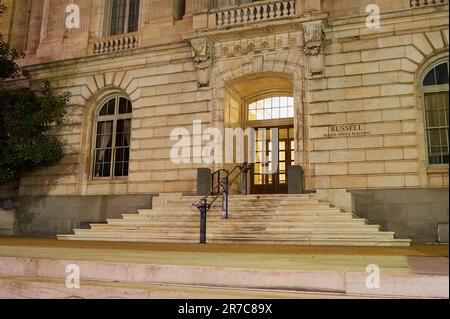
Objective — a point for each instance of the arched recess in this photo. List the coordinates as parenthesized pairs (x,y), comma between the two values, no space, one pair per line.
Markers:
(99,88)
(267,77)
(253,87)
(428,171)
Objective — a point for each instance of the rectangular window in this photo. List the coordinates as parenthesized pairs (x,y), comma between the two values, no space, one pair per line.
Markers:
(133,16)
(124,16)
(435,99)
(271,109)
(122,155)
(436,112)
(103,149)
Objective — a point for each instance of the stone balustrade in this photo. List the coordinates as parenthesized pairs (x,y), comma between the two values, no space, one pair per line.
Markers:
(255,12)
(421,3)
(117,43)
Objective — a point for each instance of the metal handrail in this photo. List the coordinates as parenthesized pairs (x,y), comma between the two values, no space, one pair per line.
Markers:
(203,205)
(217,195)
(216,189)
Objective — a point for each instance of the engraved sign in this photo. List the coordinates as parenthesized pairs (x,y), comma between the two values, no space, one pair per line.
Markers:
(346,130)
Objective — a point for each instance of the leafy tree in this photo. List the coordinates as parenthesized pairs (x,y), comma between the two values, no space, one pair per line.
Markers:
(26,119)
(8,66)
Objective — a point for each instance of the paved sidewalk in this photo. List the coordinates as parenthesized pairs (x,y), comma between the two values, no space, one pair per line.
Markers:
(391,260)
(286,261)
(430,250)
(418,271)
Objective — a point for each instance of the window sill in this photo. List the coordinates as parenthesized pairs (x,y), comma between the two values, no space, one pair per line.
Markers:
(438,169)
(117,180)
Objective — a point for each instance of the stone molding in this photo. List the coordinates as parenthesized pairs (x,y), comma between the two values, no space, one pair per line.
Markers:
(252,45)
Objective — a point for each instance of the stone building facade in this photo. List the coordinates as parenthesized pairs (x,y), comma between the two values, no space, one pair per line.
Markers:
(363,89)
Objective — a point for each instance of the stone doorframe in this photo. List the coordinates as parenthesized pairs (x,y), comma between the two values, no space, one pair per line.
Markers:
(290,62)
(297,51)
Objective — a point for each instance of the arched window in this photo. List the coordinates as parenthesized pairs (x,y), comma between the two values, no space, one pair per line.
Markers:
(272,108)
(112,138)
(435,99)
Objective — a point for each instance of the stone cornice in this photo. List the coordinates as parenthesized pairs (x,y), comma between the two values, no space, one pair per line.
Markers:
(53,69)
(256,29)
(391,17)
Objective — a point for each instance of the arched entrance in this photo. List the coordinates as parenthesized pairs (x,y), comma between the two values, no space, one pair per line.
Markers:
(264,102)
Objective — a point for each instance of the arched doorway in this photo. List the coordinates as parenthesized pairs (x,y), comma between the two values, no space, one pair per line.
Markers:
(265,102)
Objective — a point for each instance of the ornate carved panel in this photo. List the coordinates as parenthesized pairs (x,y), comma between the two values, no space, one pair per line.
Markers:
(202,53)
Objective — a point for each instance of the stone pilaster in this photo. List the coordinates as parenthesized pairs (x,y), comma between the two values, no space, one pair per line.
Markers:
(45,16)
(34,30)
(313,5)
(193,6)
(159,9)
(20,11)
(163,10)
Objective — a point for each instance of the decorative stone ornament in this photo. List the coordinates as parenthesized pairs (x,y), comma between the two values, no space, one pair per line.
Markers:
(314,47)
(202,52)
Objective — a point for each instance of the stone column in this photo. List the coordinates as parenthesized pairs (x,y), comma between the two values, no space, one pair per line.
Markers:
(193,6)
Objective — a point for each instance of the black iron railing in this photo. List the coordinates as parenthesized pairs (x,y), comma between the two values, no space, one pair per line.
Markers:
(216,179)
(222,180)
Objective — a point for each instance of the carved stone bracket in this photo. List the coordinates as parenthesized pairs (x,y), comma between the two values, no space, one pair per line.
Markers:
(202,53)
(314,47)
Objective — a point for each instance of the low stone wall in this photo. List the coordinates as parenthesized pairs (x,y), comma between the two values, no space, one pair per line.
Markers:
(6,222)
(340,198)
(410,213)
(51,215)
(8,192)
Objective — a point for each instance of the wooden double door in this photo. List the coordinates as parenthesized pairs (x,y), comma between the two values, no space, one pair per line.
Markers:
(268,177)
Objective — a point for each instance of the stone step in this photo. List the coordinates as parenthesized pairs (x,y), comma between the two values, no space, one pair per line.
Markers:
(325,274)
(274,219)
(320,242)
(306,236)
(241,228)
(19,287)
(248,235)
(241,207)
(232,199)
(253,202)
(217,213)
(248,218)
(259,212)
(224,223)
(248,197)
(325,242)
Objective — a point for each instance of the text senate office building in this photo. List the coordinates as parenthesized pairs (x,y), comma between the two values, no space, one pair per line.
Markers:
(351,95)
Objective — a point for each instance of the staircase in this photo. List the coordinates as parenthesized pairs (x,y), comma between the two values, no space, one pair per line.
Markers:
(253,219)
